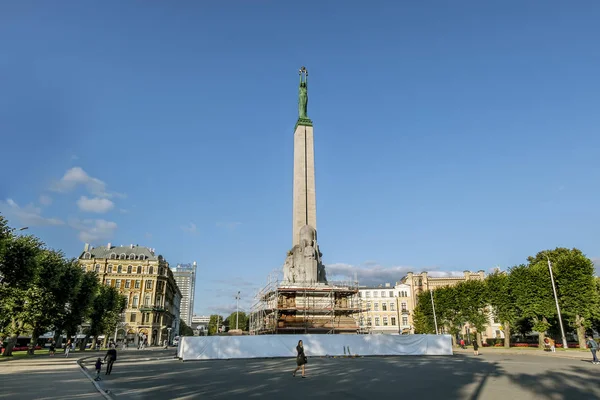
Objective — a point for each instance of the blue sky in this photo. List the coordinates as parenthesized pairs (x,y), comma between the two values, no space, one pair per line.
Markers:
(449,135)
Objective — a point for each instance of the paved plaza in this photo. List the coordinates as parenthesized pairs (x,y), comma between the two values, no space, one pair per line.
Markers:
(156,375)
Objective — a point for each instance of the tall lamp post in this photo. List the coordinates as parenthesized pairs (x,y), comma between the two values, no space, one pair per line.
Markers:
(237,312)
(434,316)
(562,329)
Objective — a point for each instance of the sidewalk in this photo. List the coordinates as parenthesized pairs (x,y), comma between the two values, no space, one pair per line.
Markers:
(45,378)
(571,353)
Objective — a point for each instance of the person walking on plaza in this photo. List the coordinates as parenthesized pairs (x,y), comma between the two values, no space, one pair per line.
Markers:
(593,346)
(98,368)
(68,348)
(475,347)
(111,354)
(52,348)
(462,343)
(301,359)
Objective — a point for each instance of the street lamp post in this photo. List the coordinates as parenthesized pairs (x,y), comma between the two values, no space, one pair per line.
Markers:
(237,312)
(562,329)
(434,316)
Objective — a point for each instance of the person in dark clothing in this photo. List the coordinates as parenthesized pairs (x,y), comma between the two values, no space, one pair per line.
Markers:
(475,348)
(301,359)
(111,354)
(593,346)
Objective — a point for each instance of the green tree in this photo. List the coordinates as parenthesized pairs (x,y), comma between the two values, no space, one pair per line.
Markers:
(78,307)
(575,285)
(106,309)
(423,314)
(532,290)
(214,323)
(184,329)
(242,323)
(502,301)
(472,302)
(21,301)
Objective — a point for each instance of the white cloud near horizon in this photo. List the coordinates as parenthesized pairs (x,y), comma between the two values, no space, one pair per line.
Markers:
(28,215)
(93,230)
(95,205)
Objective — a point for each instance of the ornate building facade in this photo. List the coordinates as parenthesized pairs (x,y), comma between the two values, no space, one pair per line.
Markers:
(147,282)
(385,309)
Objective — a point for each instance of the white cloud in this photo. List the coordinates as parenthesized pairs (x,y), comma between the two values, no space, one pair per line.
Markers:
(45,200)
(190,228)
(96,204)
(93,230)
(228,225)
(28,215)
(77,176)
(372,273)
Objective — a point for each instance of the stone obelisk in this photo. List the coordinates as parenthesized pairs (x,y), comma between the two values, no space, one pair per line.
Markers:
(305,203)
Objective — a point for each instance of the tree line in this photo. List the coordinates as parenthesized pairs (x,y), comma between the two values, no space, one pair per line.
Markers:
(521,299)
(217,321)
(42,290)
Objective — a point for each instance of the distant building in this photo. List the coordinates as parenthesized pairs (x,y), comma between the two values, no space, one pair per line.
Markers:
(185,276)
(147,284)
(385,309)
(200,325)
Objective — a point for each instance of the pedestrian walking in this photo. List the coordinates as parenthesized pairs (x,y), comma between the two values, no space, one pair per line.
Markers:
(475,348)
(301,359)
(462,343)
(68,348)
(111,354)
(98,369)
(593,346)
(52,348)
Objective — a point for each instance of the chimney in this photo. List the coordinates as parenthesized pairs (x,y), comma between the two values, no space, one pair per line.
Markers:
(131,246)
(108,246)
(86,247)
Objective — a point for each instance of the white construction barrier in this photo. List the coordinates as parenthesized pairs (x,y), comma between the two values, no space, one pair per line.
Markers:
(269,346)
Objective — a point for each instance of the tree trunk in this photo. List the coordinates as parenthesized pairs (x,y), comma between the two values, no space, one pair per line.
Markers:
(541,337)
(84,343)
(580,331)
(10,345)
(478,338)
(33,341)
(507,335)
(453,340)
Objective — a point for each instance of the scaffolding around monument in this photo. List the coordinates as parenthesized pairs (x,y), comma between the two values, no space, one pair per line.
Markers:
(321,309)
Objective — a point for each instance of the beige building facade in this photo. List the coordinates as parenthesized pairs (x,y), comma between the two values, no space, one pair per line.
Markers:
(146,281)
(386,309)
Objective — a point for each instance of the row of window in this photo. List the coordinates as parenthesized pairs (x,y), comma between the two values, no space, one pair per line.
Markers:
(147,298)
(136,283)
(384,306)
(122,256)
(119,269)
(145,318)
(392,321)
(382,293)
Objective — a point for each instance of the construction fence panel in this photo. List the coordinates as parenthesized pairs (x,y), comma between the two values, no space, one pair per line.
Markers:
(272,346)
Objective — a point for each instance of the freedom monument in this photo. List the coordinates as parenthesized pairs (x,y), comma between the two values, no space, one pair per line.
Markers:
(304,305)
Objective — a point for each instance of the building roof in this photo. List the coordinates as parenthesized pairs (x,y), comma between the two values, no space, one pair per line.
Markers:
(106,251)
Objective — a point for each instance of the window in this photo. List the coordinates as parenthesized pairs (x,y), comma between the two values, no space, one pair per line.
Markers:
(385,321)
(139,269)
(368,294)
(369,306)
(382,293)
(393,321)
(129,268)
(110,269)
(126,303)
(122,256)
(376,306)
(132,317)
(108,282)
(119,269)
(132,256)
(360,294)
(369,321)
(113,256)
(137,284)
(377,321)
(148,285)
(118,283)
(97,268)
(383,306)
(87,256)
(403,305)
(147,300)
(375,293)
(127,283)
(391,293)
(361,321)
(134,304)
(158,300)
(404,321)
(392,307)
(151,270)
(142,257)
